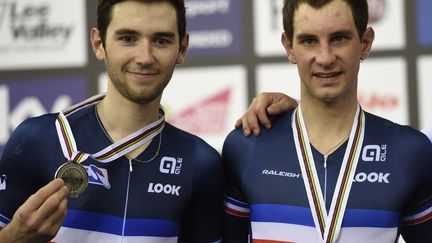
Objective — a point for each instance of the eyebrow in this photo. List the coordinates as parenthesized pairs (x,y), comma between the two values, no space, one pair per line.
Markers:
(126,31)
(305,36)
(170,35)
(336,33)
(343,32)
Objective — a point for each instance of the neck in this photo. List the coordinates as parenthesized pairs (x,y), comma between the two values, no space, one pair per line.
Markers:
(328,124)
(122,117)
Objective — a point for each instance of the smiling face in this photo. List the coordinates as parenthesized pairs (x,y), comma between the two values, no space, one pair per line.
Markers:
(327,50)
(141,49)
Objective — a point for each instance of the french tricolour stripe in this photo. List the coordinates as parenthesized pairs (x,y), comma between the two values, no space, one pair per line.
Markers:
(278,233)
(236,207)
(279,213)
(283,223)
(419,217)
(88,226)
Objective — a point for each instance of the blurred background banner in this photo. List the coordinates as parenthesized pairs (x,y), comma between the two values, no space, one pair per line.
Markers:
(21,99)
(424,18)
(46,62)
(38,34)
(215,28)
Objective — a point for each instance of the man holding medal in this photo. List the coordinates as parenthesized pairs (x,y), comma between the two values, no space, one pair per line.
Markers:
(124,174)
(328,171)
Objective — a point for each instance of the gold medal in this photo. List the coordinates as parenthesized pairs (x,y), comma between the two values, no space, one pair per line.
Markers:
(75,178)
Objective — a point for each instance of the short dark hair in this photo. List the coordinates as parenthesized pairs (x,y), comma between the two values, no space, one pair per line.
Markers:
(359,10)
(104,8)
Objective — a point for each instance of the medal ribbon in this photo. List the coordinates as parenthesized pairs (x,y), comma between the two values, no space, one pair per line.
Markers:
(328,226)
(112,152)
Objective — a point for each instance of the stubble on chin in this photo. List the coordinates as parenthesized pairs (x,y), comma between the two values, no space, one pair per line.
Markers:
(143,96)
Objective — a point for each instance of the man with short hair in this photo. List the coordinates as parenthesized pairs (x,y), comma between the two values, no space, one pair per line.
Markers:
(328,171)
(147,180)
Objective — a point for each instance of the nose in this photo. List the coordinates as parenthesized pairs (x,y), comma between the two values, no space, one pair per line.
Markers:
(326,56)
(144,54)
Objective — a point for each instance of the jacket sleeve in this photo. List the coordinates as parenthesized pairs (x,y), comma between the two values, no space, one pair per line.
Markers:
(202,221)
(236,152)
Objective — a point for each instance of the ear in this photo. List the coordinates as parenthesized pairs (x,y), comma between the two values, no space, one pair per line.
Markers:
(367,40)
(286,43)
(184,44)
(97,44)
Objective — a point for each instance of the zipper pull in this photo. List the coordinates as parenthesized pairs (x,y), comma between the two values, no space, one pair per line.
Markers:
(130,165)
(325,161)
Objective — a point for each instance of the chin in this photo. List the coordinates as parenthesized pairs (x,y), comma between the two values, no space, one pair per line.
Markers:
(329,98)
(141,99)
(144,97)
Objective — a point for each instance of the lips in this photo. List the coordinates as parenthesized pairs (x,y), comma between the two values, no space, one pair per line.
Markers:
(143,75)
(326,74)
(146,73)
